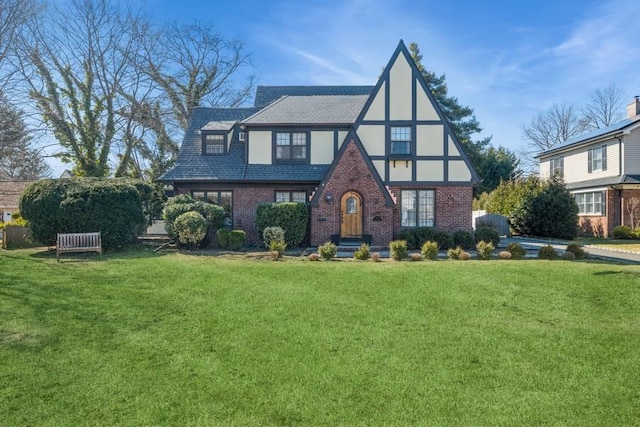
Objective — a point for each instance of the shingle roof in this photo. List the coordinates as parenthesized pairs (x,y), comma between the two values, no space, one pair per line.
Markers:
(587,136)
(192,165)
(265,95)
(10,192)
(317,109)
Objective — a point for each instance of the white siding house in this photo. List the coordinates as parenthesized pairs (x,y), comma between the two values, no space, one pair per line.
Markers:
(602,169)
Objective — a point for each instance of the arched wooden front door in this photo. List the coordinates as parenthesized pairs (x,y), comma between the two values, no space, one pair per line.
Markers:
(351,215)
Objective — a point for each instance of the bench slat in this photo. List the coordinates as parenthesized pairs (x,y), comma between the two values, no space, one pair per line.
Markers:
(78,242)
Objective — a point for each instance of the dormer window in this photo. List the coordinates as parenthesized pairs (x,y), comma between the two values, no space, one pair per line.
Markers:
(214,143)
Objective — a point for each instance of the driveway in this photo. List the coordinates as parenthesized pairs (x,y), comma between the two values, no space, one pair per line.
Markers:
(627,257)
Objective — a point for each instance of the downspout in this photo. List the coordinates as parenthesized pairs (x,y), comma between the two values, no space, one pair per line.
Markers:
(620,174)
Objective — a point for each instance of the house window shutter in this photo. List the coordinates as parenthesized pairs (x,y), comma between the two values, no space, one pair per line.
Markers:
(604,157)
(590,161)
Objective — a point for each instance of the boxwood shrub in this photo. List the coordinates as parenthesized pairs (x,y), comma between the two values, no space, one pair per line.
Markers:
(176,206)
(416,237)
(464,239)
(191,228)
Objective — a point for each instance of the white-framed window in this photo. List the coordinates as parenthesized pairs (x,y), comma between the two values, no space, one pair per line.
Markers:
(291,196)
(597,159)
(556,167)
(418,208)
(400,137)
(291,147)
(214,143)
(591,203)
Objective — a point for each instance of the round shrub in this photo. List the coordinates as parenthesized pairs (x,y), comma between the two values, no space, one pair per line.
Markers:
(314,257)
(429,250)
(416,257)
(176,206)
(272,233)
(577,251)
(416,237)
(454,253)
(487,233)
(398,250)
(485,249)
(237,239)
(444,239)
(464,256)
(464,239)
(328,250)
(375,257)
(623,232)
(223,237)
(278,247)
(547,252)
(504,255)
(569,256)
(362,253)
(516,250)
(191,228)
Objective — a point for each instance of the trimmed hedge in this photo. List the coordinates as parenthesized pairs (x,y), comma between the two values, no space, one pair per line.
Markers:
(291,217)
(114,207)
(191,228)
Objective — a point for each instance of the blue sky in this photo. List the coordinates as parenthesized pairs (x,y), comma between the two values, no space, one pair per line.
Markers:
(509,60)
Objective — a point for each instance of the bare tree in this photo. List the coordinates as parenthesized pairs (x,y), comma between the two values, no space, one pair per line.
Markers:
(194,65)
(14,14)
(605,107)
(75,65)
(632,206)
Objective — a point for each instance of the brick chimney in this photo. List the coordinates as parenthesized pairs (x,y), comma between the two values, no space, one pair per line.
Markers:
(633,109)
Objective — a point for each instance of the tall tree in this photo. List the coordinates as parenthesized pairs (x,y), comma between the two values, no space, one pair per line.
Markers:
(19,159)
(75,66)
(605,107)
(564,121)
(194,65)
(14,14)
(493,165)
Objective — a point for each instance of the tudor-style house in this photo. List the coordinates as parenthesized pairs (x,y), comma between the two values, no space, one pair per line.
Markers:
(602,170)
(368,160)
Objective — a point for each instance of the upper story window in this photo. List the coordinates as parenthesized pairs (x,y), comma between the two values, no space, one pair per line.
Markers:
(214,143)
(590,203)
(291,196)
(291,147)
(598,159)
(557,167)
(400,138)
(418,208)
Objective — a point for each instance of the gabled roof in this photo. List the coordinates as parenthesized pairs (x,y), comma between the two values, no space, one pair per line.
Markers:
(10,192)
(607,181)
(316,109)
(265,95)
(591,136)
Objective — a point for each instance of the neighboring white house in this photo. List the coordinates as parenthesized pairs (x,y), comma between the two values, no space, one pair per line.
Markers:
(602,170)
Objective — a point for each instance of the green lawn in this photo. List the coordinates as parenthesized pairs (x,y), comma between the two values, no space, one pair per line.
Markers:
(140,339)
(626,245)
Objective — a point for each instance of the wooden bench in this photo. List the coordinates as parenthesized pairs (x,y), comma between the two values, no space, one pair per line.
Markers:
(78,242)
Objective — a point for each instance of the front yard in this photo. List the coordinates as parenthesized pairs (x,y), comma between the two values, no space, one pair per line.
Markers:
(137,338)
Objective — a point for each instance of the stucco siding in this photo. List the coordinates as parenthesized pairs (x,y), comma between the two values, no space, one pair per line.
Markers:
(458,171)
(425,110)
(321,147)
(376,109)
(430,170)
(400,76)
(379,165)
(372,137)
(401,171)
(430,140)
(260,147)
